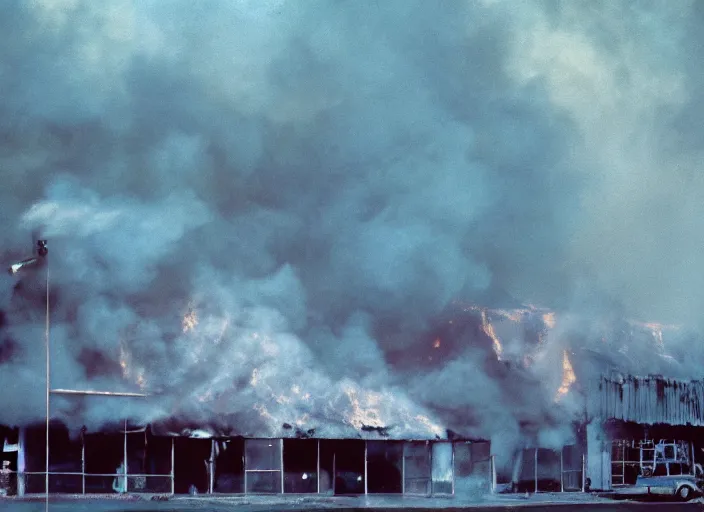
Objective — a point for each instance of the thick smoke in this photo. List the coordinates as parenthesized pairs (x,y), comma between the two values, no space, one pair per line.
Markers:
(262,212)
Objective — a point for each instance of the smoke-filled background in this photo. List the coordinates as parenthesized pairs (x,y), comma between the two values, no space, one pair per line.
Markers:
(267,212)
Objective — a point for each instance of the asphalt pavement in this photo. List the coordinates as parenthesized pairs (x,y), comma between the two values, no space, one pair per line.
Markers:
(553,503)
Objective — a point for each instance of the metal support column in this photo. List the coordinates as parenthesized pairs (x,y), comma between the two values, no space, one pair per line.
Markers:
(83,462)
(21,463)
(124,455)
(691,466)
(493,473)
(365,467)
(211,467)
(535,470)
(452,445)
(281,467)
(173,480)
(584,472)
(403,468)
(318,467)
(430,467)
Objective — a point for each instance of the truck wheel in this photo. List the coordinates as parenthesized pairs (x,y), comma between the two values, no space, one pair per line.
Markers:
(684,493)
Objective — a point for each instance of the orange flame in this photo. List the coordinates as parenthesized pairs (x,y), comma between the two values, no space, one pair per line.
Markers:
(128,372)
(489,331)
(549,319)
(568,376)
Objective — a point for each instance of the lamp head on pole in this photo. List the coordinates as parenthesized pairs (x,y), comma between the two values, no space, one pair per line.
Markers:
(42,251)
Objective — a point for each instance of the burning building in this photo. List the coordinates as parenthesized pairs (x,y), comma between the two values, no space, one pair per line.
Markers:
(577,440)
(585,440)
(261,212)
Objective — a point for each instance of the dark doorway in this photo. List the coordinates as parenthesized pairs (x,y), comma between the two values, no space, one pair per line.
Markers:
(384,466)
(104,455)
(300,465)
(344,459)
(190,465)
(148,462)
(548,470)
(327,465)
(229,465)
(65,457)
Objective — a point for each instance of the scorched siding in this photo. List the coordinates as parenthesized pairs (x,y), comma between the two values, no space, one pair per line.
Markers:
(652,400)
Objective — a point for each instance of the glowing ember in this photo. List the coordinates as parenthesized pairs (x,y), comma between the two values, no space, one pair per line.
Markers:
(190,320)
(549,319)
(489,331)
(568,376)
(436,343)
(124,361)
(515,315)
(128,371)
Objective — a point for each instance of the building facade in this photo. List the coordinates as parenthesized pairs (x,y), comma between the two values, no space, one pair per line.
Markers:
(145,460)
(636,422)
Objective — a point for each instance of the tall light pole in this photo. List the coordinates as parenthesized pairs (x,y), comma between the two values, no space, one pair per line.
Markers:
(15,268)
(43,251)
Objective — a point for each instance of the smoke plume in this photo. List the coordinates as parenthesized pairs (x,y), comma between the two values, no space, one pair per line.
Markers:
(267,212)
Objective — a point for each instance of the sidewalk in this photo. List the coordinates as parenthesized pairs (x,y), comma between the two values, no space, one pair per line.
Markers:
(312,502)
